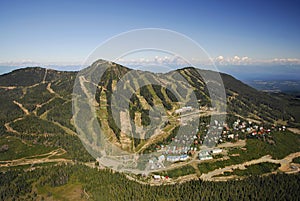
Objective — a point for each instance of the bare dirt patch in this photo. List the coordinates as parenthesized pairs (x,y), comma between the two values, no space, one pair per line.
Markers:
(294,130)
(239,143)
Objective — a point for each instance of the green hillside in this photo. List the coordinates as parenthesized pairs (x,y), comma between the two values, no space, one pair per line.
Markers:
(41,154)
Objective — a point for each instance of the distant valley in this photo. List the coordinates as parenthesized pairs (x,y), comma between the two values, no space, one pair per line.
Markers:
(291,87)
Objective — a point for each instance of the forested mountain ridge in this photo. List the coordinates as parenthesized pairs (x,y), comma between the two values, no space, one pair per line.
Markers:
(151,89)
(36,94)
(37,134)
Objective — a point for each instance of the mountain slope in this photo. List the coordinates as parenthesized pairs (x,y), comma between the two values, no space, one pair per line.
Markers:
(36,108)
(42,156)
(242,101)
(36,103)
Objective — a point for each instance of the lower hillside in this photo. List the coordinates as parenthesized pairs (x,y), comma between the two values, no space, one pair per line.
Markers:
(77,182)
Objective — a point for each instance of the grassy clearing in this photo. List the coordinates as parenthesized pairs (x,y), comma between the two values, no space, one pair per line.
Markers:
(186,170)
(25,167)
(70,191)
(285,144)
(257,169)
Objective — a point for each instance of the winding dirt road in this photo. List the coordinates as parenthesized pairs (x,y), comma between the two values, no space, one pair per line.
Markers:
(37,159)
(285,163)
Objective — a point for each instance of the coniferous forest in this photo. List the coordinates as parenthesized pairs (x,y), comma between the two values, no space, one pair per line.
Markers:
(36,126)
(105,185)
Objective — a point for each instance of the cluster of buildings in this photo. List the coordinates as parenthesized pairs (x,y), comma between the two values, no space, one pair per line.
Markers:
(177,149)
(248,128)
(179,145)
(158,162)
(184,145)
(177,158)
(158,177)
(207,154)
(214,132)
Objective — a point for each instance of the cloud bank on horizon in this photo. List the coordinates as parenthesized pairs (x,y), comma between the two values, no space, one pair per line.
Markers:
(241,67)
(174,61)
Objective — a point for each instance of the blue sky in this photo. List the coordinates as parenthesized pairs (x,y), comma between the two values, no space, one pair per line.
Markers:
(65,32)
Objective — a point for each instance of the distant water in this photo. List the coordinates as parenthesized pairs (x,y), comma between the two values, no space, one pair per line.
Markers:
(250,73)
(7,69)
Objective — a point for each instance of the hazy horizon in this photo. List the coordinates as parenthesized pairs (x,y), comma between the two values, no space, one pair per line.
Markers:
(248,40)
(243,73)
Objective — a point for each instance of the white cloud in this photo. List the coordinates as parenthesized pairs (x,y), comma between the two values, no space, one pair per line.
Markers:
(167,61)
(245,60)
(285,61)
(236,60)
(156,60)
(220,58)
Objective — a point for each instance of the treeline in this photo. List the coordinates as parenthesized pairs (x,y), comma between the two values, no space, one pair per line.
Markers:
(105,185)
